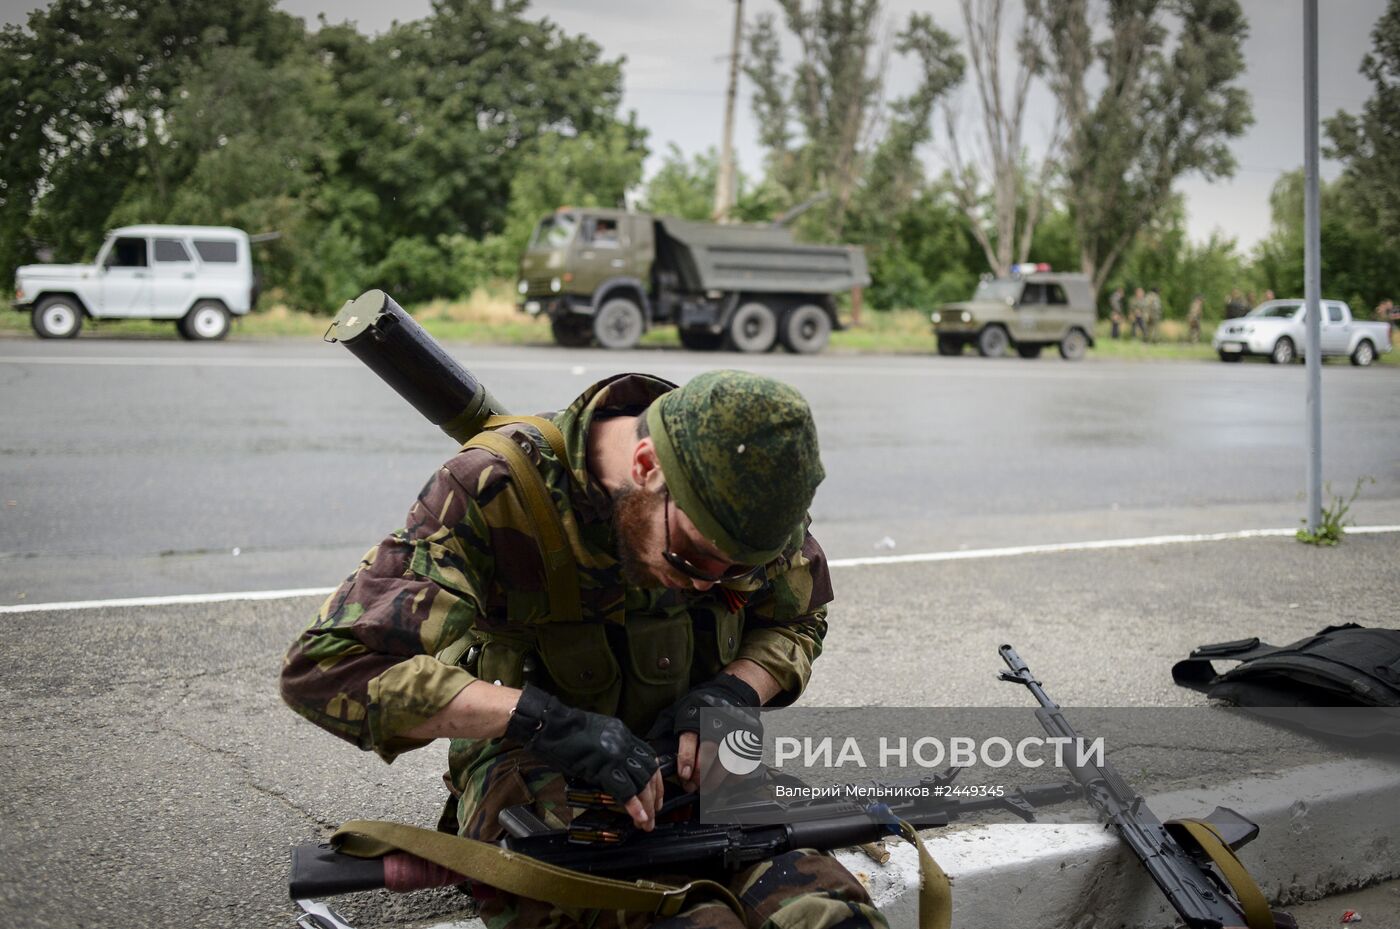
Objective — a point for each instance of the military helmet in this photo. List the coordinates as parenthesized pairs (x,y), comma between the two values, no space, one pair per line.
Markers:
(739,454)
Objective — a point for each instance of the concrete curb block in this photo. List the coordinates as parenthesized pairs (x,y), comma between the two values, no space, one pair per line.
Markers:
(1323,828)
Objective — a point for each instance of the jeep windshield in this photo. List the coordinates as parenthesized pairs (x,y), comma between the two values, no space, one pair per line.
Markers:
(555,231)
(998,291)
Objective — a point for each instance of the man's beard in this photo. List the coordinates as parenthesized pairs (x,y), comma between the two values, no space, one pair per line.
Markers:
(631,521)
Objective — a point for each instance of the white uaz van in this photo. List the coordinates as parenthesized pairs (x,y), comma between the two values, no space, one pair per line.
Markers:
(199,276)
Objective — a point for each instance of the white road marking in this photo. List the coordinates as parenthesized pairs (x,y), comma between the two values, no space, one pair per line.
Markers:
(1147,542)
(924,557)
(913,366)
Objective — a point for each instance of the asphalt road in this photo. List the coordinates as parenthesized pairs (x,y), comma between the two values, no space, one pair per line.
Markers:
(153,778)
(134,468)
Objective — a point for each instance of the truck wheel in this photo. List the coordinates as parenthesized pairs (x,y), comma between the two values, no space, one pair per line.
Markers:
(1230,357)
(618,324)
(1073,345)
(57,318)
(1365,354)
(1029,351)
(993,342)
(1283,351)
(753,328)
(206,321)
(572,331)
(805,329)
(698,340)
(950,345)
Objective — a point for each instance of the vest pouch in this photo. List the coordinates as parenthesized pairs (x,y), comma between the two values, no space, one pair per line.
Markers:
(729,632)
(660,651)
(582,667)
(502,660)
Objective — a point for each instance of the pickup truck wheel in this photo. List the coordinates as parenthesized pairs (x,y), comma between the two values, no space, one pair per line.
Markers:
(1283,352)
(1365,354)
(618,324)
(698,340)
(993,342)
(1029,351)
(1230,357)
(753,328)
(206,321)
(1074,345)
(572,331)
(950,345)
(57,318)
(805,329)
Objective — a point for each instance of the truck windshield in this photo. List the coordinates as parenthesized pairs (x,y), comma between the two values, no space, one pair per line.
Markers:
(1275,311)
(1001,291)
(554,231)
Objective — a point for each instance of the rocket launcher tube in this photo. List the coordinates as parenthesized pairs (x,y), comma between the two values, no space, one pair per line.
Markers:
(377,331)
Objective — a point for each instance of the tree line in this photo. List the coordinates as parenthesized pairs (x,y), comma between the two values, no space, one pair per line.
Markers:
(419,159)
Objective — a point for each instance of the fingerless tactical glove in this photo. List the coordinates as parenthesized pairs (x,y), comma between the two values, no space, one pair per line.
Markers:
(587,746)
(725,690)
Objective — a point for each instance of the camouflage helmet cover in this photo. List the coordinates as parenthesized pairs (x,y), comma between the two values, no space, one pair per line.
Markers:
(739,454)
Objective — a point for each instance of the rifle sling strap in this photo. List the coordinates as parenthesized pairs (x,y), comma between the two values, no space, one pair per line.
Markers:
(529,877)
(519,874)
(1257,914)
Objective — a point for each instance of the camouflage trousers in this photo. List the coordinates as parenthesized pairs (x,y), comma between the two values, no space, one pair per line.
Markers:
(796,890)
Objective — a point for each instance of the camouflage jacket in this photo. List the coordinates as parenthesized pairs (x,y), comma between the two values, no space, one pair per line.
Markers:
(460,594)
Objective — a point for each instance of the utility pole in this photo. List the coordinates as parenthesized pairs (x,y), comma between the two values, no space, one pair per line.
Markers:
(1312,265)
(725,193)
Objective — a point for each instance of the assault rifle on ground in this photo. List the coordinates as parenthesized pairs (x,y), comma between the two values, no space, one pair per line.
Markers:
(602,841)
(1192,861)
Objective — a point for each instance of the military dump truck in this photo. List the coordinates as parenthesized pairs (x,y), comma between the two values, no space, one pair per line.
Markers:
(1028,311)
(606,276)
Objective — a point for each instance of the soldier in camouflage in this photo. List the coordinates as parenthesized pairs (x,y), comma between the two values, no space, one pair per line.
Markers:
(685,509)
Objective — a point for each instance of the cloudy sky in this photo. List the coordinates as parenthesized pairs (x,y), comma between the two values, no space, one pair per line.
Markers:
(675,75)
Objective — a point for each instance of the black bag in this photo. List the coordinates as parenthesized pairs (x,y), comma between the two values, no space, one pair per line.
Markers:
(1341,666)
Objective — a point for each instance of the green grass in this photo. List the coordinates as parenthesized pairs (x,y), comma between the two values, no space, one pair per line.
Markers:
(489,317)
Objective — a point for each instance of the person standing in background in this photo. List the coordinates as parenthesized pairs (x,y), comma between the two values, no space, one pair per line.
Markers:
(1193,319)
(1153,306)
(1137,313)
(1115,313)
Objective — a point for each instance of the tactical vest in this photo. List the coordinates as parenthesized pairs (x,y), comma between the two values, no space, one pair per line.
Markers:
(573,658)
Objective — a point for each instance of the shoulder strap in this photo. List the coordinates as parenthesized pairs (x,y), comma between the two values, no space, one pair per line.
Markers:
(1257,914)
(560,568)
(551,432)
(520,874)
(529,877)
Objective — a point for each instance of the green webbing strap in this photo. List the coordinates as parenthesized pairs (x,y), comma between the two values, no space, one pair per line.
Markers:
(935,892)
(1257,914)
(551,432)
(529,877)
(561,571)
(520,874)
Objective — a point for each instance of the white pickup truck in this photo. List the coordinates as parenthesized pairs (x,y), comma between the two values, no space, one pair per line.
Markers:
(1278,329)
(198,276)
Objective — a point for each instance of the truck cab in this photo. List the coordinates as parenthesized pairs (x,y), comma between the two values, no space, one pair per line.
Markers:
(1032,309)
(198,276)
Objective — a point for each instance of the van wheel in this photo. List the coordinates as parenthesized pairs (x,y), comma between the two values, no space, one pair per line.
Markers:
(698,340)
(1283,351)
(1230,357)
(1029,351)
(57,318)
(207,321)
(993,342)
(950,345)
(618,324)
(805,329)
(1365,354)
(752,328)
(572,331)
(1073,345)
